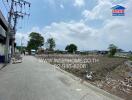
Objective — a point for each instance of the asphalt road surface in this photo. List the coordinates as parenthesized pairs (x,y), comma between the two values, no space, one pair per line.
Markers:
(34,80)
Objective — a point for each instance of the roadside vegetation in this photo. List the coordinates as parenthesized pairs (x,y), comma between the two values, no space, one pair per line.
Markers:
(72,48)
(36,41)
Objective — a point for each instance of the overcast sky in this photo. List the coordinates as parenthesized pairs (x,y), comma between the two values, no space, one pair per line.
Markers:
(87,23)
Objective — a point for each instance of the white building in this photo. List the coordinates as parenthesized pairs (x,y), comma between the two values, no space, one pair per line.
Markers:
(3,29)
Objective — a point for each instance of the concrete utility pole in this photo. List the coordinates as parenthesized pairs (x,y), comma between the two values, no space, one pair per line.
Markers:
(14,14)
(21,44)
(8,33)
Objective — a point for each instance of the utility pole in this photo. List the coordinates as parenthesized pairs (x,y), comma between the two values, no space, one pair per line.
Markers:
(22,44)
(8,33)
(14,14)
(13,40)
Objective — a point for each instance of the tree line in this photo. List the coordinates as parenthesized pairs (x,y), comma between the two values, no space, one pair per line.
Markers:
(36,41)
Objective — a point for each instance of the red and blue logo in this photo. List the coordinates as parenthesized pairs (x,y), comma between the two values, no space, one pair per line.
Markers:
(118,10)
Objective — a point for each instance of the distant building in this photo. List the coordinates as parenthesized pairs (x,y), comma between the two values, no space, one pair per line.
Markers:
(102,52)
(123,54)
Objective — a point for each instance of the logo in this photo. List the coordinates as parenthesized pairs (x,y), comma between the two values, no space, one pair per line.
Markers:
(118,10)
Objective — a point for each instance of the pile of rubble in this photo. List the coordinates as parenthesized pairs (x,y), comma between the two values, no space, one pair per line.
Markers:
(112,85)
(17,58)
(126,85)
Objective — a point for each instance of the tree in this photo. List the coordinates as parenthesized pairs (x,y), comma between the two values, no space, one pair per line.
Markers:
(71,48)
(112,49)
(51,44)
(36,41)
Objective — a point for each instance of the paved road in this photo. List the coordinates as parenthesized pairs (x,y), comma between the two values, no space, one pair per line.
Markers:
(33,80)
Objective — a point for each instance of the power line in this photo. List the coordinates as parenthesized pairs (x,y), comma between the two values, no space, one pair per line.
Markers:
(14,14)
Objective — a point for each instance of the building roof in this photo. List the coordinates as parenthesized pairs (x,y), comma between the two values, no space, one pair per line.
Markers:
(118,7)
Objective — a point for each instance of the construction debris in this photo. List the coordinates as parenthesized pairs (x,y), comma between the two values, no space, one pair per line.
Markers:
(16,59)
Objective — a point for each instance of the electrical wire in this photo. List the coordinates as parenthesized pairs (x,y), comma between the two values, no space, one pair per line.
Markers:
(21,7)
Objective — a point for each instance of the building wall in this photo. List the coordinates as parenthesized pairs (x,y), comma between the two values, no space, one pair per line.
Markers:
(2,43)
(3,21)
(3,30)
(2,49)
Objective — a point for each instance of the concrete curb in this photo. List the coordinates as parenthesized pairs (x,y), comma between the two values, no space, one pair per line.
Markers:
(91,86)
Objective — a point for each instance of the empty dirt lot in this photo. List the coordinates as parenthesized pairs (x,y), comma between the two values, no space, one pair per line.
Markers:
(110,74)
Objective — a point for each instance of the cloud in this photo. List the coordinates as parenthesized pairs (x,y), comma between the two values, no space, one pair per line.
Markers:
(101,11)
(21,38)
(115,29)
(69,32)
(79,33)
(79,3)
(62,6)
(118,32)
